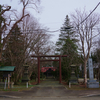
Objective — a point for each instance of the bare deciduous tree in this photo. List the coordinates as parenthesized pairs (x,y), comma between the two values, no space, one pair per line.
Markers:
(36,41)
(11,22)
(85,30)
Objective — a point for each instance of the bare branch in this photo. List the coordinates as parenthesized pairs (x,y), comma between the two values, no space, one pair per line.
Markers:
(7,9)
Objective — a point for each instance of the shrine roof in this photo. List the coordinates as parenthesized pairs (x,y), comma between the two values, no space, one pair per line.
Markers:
(7,68)
(44,69)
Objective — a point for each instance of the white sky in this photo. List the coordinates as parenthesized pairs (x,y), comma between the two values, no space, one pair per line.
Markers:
(53,12)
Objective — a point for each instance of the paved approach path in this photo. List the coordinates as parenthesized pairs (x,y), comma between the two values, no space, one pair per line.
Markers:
(49,89)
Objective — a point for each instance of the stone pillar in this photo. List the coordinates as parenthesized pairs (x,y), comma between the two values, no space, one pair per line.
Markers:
(90,67)
(91,82)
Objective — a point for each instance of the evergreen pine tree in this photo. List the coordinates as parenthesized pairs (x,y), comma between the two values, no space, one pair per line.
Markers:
(67,32)
(66,45)
(14,54)
(14,49)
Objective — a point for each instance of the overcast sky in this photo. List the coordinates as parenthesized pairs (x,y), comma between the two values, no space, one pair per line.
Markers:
(53,12)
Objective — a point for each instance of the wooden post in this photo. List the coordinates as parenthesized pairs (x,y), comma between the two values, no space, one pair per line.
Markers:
(0,46)
(60,69)
(5,83)
(38,70)
(8,80)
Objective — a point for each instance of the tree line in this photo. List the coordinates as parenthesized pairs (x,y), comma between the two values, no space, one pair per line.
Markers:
(21,36)
(77,40)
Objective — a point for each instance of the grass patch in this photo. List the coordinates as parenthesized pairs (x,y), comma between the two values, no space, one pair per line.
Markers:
(78,87)
(18,88)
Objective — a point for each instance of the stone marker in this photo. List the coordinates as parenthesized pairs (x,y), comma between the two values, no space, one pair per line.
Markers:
(91,83)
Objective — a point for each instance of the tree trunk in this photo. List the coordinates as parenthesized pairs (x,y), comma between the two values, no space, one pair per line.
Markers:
(0,47)
(0,57)
(85,74)
(99,73)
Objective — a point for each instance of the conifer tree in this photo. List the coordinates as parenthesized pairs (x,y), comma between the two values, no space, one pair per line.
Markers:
(14,48)
(67,32)
(66,45)
(13,54)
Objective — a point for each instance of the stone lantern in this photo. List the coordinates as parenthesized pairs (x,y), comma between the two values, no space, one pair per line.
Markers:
(73,78)
(25,77)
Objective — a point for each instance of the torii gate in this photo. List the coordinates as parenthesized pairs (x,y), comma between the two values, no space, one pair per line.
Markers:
(39,60)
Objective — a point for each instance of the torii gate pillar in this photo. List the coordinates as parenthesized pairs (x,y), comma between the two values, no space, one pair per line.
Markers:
(38,70)
(60,78)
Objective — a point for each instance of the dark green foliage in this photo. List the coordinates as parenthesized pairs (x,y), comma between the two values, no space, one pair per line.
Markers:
(66,45)
(67,32)
(13,54)
(96,60)
(14,77)
(56,74)
(77,71)
(42,75)
(69,48)
(66,73)
(96,56)
(14,48)
(33,76)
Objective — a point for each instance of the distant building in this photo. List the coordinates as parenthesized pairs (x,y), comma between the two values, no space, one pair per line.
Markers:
(44,69)
(48,71)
